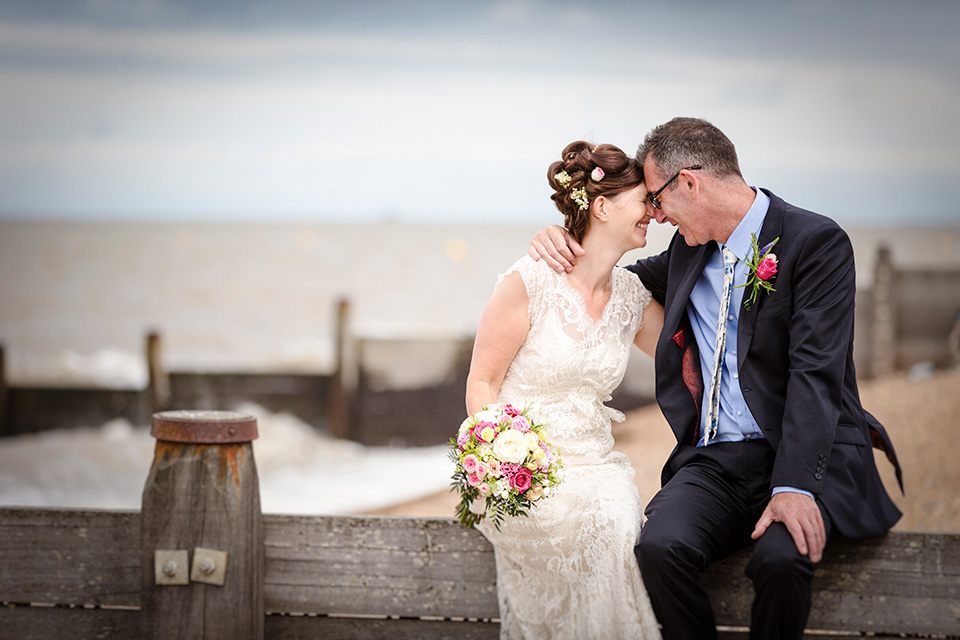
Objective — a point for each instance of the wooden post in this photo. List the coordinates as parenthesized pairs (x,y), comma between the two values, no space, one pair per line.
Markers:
(4,408)
(158,385)
(344,375)
(883,329)
(202,496)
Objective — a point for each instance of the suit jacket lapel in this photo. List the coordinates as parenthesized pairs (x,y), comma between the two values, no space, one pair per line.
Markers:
(772,225)
(678,305)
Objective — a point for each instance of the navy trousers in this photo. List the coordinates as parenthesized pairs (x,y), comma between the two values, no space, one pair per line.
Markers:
(706,511)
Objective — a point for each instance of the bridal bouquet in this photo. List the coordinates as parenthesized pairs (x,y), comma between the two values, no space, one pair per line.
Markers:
(504,463)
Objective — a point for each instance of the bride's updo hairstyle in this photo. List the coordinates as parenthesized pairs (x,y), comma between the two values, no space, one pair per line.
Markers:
(575,181)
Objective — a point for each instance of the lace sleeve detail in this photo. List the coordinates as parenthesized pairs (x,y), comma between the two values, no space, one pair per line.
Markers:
(638,296)
(534,275)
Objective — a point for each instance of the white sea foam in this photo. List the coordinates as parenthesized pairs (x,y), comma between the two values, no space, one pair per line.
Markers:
(301,471)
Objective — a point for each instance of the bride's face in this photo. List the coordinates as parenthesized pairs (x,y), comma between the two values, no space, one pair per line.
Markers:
(628,218)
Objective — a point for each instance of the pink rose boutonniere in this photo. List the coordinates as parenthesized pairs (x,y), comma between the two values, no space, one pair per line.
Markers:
(761,268)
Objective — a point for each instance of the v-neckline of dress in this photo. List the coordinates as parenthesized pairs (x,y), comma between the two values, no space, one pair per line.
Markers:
(582,303)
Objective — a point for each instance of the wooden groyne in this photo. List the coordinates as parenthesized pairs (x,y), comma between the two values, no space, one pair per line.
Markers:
(200,560)
(914,317)
(907,318)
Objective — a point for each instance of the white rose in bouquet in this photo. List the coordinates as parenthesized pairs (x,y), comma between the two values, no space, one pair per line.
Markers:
(533,441)
(510,446)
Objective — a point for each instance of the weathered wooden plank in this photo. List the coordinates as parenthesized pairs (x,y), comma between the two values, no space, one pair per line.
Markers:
(337,628)
(380,566)
(67,556)
(898,583)
(743,633)
(334,628)
(43,623)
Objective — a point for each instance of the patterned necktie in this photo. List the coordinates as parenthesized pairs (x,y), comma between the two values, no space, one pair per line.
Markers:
(713,405)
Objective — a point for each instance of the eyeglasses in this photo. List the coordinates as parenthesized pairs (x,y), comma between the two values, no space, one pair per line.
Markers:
(654,200)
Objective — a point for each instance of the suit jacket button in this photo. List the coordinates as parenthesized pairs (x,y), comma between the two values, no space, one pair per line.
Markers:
(823,458)
(818,475)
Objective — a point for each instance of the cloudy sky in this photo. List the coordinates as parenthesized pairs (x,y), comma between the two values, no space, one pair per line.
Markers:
(451,111)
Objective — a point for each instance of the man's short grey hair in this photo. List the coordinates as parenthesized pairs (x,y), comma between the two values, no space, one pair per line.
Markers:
(685,142)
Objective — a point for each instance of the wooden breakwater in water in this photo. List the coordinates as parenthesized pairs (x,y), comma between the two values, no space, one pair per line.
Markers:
(910,316)
(200,560)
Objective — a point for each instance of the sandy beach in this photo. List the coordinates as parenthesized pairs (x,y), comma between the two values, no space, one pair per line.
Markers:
(919,416)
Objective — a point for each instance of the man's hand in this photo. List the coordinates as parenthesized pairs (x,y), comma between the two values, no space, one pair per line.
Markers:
(557,248)
(801,515)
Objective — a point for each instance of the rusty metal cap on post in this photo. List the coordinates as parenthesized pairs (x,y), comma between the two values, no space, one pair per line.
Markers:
(204,427)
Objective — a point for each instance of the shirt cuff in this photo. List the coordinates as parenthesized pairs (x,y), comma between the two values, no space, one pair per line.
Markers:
(777,490)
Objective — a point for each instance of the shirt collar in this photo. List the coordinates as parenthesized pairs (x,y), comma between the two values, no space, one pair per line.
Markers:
(739,240)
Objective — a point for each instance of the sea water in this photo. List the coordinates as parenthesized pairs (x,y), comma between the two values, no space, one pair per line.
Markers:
(77,299)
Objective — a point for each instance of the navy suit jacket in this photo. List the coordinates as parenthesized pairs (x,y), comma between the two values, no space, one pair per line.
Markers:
(795,359)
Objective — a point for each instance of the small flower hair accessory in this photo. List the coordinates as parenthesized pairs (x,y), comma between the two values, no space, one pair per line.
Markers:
(579,196)
(762,266)
(563,179)
(597,174)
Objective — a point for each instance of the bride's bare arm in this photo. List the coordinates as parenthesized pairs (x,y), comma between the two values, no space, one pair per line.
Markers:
(503,328)
(555,246)
(646,338)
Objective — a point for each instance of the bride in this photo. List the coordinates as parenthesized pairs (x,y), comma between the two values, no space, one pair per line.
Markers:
(560,343)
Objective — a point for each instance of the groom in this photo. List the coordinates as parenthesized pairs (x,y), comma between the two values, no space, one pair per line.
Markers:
(761,393)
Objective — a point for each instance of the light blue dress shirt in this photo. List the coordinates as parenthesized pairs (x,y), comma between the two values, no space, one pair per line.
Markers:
(735,422)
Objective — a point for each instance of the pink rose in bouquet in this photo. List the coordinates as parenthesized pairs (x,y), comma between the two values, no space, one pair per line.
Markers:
(520,424)
(511,410)
(485,431)
(521,479)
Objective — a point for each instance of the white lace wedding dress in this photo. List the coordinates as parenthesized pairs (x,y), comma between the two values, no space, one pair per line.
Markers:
(568,570)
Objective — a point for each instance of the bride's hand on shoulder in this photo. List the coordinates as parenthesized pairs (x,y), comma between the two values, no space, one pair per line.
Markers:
(649,333)
(556,247)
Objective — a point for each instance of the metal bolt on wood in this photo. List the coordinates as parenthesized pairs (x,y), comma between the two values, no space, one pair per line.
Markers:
(170,568)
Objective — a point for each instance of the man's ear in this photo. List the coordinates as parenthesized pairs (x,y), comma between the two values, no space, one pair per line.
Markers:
(692,182)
